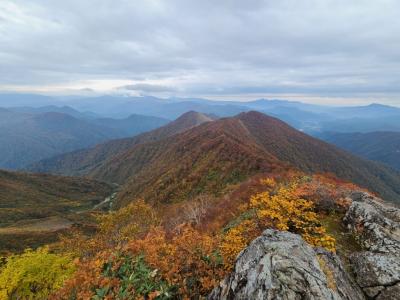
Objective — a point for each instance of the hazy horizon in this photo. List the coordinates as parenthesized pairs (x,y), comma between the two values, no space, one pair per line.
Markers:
(64,98)
(330,52)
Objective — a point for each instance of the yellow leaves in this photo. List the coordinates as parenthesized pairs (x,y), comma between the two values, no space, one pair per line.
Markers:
(268,182)
(328,273)
(192,259)
(236,239)
(283,210)
(115,229)
(128,222)
(34,274)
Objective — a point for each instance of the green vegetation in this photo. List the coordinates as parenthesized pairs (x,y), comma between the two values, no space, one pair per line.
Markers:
(346,242)
(35,207)
(34,274)
(189,203)
(136,279)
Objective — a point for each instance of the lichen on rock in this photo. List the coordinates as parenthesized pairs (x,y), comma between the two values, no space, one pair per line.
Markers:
(281,265)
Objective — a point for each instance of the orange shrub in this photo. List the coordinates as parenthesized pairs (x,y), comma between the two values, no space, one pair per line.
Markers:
(188,259)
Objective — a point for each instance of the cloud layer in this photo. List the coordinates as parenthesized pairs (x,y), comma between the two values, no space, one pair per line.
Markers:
(225,47)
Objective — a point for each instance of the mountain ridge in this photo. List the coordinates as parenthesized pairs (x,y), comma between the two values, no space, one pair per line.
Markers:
(167,165)
(80,162)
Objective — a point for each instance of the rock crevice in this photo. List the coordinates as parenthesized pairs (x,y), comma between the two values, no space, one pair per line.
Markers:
(281,265)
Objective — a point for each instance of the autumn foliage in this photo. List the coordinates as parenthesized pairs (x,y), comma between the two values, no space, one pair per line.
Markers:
(188,260)
(137,254)
(281,208)
(34,274)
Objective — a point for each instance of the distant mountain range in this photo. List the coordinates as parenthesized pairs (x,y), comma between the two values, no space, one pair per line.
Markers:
(169,164)
(31,134)
(310,118)
(379,146)
(83,162)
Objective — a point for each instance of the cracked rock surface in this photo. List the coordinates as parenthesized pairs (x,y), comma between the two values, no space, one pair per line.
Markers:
(377,270)
(376,223)
(280,265)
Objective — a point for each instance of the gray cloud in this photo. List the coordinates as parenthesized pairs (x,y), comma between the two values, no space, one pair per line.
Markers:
(204,47)
(147,88)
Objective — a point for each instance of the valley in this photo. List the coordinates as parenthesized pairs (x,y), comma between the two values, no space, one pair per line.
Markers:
(201,184)
(39,206)
(193,150)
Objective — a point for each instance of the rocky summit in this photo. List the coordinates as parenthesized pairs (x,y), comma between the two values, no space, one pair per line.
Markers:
(281,265)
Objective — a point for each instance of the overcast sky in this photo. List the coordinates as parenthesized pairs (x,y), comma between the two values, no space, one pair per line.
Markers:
(344,51)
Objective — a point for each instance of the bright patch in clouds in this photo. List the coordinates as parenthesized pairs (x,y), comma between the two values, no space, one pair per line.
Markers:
(323,51)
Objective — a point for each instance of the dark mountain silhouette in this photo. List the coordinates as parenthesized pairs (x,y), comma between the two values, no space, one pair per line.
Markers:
(382,146)
(25,138)
(53,108)
(30,134)
(309,118)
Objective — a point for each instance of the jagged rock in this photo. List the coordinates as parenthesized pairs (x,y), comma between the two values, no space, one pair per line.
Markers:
(390,293)
(375,222)
(378,274)
(332,266)
(377,270)
(280,265)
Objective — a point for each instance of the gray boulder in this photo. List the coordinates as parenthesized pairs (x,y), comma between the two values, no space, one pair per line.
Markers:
(375,269)
(378,274)
(280,265)
(377,224)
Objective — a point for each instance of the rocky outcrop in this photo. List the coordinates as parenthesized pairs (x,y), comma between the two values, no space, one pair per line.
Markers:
(376,273)
(377,224)
(280,265)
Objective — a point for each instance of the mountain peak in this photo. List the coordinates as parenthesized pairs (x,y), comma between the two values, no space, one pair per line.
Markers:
(256,116)
(252,114)
(193,118)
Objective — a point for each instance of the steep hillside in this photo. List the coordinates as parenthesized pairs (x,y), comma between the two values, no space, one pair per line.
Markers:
(210,156)
(379,146)
(312,155)
(81,162)
(204,159)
